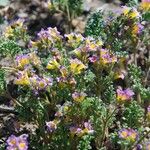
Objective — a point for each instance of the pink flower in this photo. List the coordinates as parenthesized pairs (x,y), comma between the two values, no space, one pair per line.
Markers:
(17,143)
(128,134)
(123,95)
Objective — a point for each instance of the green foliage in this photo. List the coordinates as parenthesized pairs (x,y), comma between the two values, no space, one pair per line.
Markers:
(95,25)
(9,47)
(133,115)
(135,75)
(84,143)
(79,92)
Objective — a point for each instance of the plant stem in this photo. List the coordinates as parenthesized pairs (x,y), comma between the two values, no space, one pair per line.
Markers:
(105,126)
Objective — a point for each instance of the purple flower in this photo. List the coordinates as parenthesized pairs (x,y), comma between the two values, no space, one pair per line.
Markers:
(22,60)
(139,147)
(141,27)
(52,125)
(88,127)
(22,142)
(123,95)
(93,59)
(148,109)
(128,134)
(17,143)
(78,97)
(12,140)
(43,34)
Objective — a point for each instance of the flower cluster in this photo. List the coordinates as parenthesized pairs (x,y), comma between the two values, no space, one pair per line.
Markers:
(52,125)
(80,90)
(78,97)
(124,95)
(128,134)
(145,5)
(16,29)
(87,129)
(17,143)
(46,39)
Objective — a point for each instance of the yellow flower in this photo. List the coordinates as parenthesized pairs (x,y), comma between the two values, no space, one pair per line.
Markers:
(134,14)
(22,145)
(53,64)
(91,44)
(145,5)
(126,10)
(22,61)
(76,66)
(74,39)
(131,13)
(8,32)
(78,97)
(22,79)
(77,52)
(120,74)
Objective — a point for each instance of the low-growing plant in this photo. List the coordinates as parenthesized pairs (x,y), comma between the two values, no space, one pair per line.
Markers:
(79,93)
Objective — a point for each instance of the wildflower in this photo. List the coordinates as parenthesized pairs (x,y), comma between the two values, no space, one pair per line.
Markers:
(55,35)
(79,132)
(137,29)
(74,39)
(53,64)
(46,38)
(18,24)
(76,66)
(134,14)
(76,131)
(17,143)
(145,5)
(38,83)
(106,57)
(91,44)
(22,142)
(148,113)
(128,134)
(139,147)
(58,114)
(22,61)
(120,74)
(88,128)
(93,59)
(12,140)
(43,34)
(52,125)
(9,32)
(73,131)
(124,95)
(78,97)
(126,10)
(22,78)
